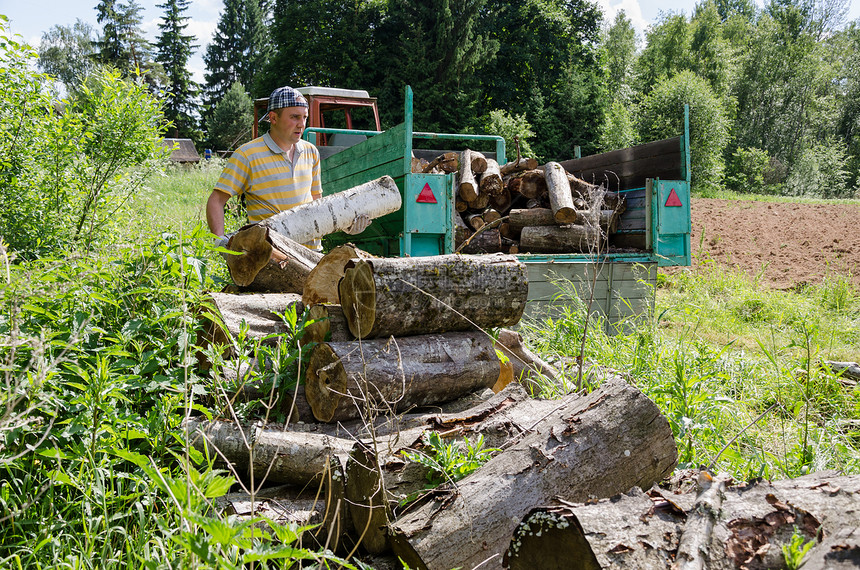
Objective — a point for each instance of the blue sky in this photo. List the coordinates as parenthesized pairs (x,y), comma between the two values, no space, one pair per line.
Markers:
(30,18)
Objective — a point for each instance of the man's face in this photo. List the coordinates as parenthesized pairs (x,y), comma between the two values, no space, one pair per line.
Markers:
(289,122)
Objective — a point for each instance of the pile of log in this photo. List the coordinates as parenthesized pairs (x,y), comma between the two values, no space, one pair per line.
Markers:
(399,348)
(521,207)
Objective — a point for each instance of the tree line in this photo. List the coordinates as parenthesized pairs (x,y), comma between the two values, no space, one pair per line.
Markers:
(774,92)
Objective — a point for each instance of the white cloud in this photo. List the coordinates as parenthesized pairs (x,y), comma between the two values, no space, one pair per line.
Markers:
(632,10)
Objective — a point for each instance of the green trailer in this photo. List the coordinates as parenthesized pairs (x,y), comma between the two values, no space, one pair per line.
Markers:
(653,231)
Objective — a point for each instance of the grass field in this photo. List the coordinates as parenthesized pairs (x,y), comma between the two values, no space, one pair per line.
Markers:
(99,359)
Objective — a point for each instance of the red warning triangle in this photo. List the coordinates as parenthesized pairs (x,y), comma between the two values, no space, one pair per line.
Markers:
(426,196)
(673,201)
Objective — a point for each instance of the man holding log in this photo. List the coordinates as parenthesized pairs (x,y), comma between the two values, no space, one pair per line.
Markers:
(275,172)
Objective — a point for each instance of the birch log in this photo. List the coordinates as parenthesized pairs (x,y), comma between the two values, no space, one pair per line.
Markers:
(560,198)
(479,162)
(268,261)
(336,212)
(406,296)
(467,188)
(560,239)
(353,379)
(595,445)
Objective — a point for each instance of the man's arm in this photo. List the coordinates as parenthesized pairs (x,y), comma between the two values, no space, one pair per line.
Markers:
(215,212)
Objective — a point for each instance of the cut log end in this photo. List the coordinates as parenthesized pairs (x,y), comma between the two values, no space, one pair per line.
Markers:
(357,292)
(255,252)
(325,382)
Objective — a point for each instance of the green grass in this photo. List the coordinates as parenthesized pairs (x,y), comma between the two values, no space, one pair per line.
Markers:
(724,194)
(99,361)
(719,352)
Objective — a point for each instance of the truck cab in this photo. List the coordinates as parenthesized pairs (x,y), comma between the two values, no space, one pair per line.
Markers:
(332,108)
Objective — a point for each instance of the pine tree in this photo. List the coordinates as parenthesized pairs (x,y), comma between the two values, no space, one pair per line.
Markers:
(238,52)
(174,50)
(111,50)
(232,119)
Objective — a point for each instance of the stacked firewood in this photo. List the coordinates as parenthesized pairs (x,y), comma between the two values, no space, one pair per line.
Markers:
(521,207)
(401,349)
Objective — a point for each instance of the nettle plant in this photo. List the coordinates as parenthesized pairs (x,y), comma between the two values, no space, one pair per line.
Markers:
(449,461)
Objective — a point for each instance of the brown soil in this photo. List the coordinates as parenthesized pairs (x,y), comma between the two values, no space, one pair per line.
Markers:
(788,244)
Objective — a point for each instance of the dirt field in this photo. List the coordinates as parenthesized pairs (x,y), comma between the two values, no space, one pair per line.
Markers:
(789,244)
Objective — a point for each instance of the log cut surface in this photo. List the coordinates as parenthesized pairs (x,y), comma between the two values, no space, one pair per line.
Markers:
(402,297)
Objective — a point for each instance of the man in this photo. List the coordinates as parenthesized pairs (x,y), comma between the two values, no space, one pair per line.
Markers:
(276,171)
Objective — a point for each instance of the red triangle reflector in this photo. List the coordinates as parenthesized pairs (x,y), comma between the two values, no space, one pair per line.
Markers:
(426,196)
(673,201)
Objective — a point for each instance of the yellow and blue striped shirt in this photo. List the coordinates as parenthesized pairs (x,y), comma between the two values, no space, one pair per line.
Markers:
(262,171)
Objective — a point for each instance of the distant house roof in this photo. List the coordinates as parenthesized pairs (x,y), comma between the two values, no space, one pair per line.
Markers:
(184,152)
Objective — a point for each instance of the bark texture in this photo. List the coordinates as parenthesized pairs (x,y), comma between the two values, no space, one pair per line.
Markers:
(380,376)
(559,239)
(336,212)
(592,446)
(402,297)
(560,197)
(713,524)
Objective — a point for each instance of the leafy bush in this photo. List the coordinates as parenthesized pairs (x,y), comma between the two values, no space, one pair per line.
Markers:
(821,172)
(68,168)
(661,115)
(747,171)
(618,129)
(510,127)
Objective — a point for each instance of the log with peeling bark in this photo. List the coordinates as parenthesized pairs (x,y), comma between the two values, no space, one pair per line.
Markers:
(268,261)
(321,282)
(336,212)
(479,162)
(292,457)
(447,162)
(491,179)
(399,481)
(406,296)
(716,524)
(519,166)
(524,217)
(533,184)
(560,239)
(467,187)
(348,380)
(595,445)
(560,197)
(226,314)
(328,324)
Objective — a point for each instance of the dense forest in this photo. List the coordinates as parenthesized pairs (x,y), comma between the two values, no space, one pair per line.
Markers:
(774,92)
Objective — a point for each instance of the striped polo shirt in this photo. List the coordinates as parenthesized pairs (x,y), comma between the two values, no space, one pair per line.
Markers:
(262,171)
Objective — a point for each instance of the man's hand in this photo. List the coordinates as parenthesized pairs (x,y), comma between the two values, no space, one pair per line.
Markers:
(359,224)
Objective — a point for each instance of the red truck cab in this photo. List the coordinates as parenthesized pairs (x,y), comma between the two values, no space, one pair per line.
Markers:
(329,107)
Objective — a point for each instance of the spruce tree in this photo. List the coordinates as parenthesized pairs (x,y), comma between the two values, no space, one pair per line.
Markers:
(238,52)
(174,50)
(123,45)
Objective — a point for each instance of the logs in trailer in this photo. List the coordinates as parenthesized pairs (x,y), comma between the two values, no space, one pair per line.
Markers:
(648,187)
